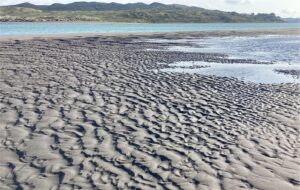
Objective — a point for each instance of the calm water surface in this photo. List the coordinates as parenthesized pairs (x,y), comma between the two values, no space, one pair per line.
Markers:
(258,73)
(266,48)
(62,28)
(282,51)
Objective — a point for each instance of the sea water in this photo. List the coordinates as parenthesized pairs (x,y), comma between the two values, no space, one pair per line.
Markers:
(268,48)
(258,73)
(25,28)
(280,52)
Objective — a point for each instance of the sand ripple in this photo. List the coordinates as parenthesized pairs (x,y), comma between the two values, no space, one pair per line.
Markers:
(91,114)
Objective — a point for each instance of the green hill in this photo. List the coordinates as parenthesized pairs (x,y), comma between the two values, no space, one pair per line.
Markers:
(132,12)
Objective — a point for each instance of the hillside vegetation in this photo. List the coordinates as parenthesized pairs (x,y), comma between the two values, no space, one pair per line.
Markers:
(134,12)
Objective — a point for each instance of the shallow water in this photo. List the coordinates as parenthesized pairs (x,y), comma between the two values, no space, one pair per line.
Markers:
(283,51)
(93,27)
(258,73)
(267,48)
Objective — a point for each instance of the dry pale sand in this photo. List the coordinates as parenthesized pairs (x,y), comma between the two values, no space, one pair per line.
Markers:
(90,113)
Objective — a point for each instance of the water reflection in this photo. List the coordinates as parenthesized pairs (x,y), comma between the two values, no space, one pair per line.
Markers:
(283,51)
(259,73)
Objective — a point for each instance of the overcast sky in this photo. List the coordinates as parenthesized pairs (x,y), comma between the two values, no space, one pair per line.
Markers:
(284,8)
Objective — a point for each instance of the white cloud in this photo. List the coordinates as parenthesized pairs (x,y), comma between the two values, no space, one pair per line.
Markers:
(236,2)
(289,13)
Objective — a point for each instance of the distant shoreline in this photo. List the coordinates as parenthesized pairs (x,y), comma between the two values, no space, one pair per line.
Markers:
(104,22)
(217,33)
(116,22)
(132,12)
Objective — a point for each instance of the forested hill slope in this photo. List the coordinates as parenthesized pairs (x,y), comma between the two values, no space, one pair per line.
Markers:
(132,12)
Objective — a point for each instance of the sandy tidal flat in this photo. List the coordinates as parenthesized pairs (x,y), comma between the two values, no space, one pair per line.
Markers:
(91,113)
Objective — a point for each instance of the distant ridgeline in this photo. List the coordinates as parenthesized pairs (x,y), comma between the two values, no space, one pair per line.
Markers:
(133,12)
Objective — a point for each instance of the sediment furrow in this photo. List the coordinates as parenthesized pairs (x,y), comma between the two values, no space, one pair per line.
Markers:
(93,114)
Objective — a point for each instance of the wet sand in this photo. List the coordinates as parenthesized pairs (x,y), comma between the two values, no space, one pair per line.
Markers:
(168,35)
(92,113)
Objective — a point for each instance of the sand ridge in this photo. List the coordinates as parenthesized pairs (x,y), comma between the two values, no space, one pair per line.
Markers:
(90,113)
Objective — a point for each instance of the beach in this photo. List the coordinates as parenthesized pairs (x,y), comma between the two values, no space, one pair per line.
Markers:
(95,112)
